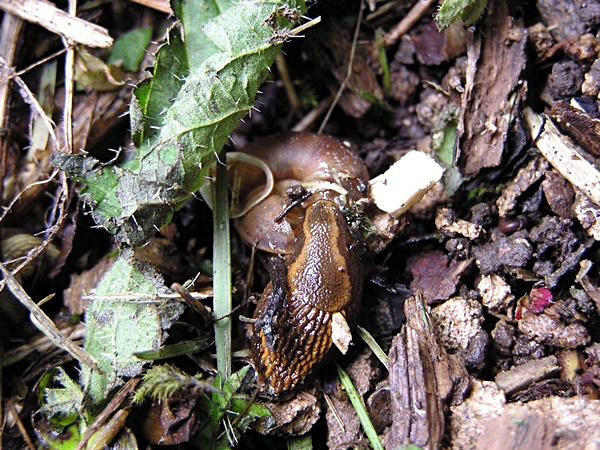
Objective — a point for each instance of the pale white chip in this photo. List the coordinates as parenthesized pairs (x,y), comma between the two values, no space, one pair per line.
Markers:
(405,182)
(340,332)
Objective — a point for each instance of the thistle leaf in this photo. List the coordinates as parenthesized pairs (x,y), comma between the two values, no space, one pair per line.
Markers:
(204,81)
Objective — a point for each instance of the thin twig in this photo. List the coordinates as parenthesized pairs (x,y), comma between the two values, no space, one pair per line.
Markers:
(284,73)
(159,5)
(31,100)
(2,418)
(44,324)
(32,66)
(313,115)
(407,22)
(6,209)
(21,427)
(349,71)
(40,344)
(51,232)
(10,37)
(116,401)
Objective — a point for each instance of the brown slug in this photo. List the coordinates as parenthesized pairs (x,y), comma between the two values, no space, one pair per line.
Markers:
(317,279)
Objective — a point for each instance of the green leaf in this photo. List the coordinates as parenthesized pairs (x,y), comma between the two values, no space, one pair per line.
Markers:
(194,15)
(91,73)
(129,49)
(60,439)
(124,317)
(226,405)
(469,11)
(64,405)
(201,87)
(153,95)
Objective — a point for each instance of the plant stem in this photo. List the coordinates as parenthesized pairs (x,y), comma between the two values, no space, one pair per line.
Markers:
(360,409)
(222,271)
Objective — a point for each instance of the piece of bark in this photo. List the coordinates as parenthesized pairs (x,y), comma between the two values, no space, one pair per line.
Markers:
(523,180)
(435,276)
(293,417)
(452,379)
(588,214)
(515,431)
(520,377)
(422,377)
(549,423)
(559,194)
(496,58)
(413,412)
(578,124)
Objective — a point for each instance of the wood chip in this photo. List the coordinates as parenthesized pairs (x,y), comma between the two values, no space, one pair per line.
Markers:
(564,155)
(496,58)
(520,377)
(405,183)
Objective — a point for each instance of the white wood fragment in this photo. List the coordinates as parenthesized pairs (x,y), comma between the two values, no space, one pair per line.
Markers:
(564,155)
(405,182)
(340,332)
(47,15)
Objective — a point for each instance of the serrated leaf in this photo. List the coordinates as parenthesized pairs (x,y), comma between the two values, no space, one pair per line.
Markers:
(201,87)
(153,95)
(123,318)
(194,15)
(63,404)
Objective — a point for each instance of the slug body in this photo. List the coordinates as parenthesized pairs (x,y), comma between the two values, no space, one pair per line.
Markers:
(293,327)
(317,277)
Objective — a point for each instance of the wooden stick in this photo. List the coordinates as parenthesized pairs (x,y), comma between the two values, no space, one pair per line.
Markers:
(58,21)
(407,22)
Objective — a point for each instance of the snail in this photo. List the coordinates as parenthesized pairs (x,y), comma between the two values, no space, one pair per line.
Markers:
(317,275)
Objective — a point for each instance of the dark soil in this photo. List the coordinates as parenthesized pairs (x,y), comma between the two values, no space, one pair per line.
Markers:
(486,298)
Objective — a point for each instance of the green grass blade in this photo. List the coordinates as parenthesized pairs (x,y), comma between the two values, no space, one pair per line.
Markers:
(360,409)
